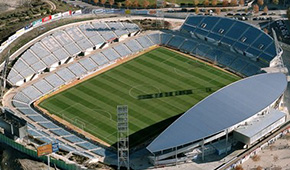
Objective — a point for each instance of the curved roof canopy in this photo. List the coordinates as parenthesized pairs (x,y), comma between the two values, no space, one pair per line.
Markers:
(221,110)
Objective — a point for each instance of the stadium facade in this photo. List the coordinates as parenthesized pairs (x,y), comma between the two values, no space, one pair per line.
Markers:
(231,109)
(64,55)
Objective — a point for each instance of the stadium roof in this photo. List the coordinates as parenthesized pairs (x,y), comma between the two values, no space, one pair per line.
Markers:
(262,123)
(221,110)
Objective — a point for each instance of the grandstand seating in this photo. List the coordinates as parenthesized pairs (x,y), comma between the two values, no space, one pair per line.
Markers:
(43,86)
(54,80)
(100,59)
(225,30)
(122,50)
(56,48)
(188,46)
(77,69)
(155,38)
(110,54)
(88,64)
(144,41)
(19,104)
(65,74)
(134,46)
(176,41)
(165,38)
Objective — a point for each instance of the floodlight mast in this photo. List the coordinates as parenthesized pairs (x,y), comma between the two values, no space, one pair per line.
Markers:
(123,137)
(3,75)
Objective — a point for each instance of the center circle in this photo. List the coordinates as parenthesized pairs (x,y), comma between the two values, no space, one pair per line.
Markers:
(143,90)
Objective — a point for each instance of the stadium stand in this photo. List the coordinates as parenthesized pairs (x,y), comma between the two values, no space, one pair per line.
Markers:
(198,36)
(111,54)
(88,64)
(65,74)
(134,46)
(144,41)
(122,50)
(61,45)
(155,38)
(43,86)
(165,38)
(54,80)
(77,69)
(176,42)
(100,59)
(223,30)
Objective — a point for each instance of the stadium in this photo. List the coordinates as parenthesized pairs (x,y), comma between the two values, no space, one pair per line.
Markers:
(191,92)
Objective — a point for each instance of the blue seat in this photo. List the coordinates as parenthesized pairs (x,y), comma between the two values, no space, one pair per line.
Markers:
(237,30)
(194,21)
(249,35)
(238,64)
(223,24)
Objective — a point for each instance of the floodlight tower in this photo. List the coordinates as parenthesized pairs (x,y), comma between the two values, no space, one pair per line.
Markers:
(123,136)
(3,75)
(279,50)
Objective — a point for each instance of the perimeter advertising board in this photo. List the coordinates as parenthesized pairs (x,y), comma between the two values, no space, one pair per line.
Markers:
(78,12)
(139,12)
(37,22)
(44,150)
(55,16)
(127,11)
(55,147)
(97,11)
(65,14)
(45,19)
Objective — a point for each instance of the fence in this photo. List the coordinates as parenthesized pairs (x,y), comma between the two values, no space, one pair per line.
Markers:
(59,163)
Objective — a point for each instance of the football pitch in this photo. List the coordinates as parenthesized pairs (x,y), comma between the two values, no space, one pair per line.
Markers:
(157,86)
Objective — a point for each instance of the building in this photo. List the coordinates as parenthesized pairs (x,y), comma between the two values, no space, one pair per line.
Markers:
(220,114)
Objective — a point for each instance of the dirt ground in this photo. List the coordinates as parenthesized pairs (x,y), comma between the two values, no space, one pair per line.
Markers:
(274,157)
(6,5)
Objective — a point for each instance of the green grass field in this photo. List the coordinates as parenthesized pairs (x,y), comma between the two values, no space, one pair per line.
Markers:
(92,104)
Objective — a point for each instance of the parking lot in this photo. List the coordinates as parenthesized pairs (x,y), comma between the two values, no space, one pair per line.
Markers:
(281,28)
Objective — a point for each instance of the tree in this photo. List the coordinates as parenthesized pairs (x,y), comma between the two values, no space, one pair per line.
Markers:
(206,3)
(242,2)
(214,2)
(146,3)
(111,2)
(196,10)
(96,1)
(128,3)
(225,2)
(260,2)
(265,9)
(195,2)
(217,11)
(239,167)
(136,3)
(234,2)
(119,5)
(276,2)
(103,2)
(256,8)
(164,3)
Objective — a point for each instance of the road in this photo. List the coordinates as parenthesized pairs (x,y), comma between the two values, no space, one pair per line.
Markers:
(52,5)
